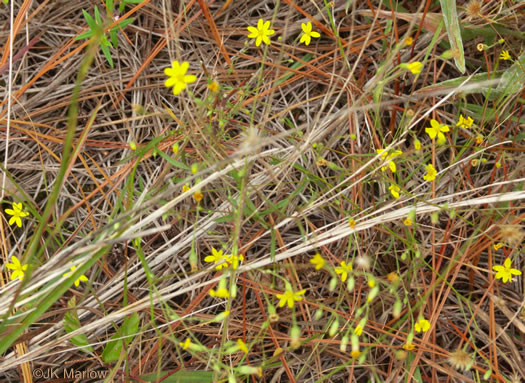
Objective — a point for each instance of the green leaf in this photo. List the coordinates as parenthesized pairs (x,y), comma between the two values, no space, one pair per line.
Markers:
(109,5)
(450,16)
(129,329)
(89,20)
(72,323)
(97,16)
(85,35)
(113,37)
(133,1)
(180,377)
(106,52)
(124,23)
(172,161)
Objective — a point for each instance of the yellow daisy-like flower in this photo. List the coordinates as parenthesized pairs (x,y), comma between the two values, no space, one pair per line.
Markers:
(504,55)
(505,272)
(415,67)
(422,325)
(409,41)
(186,344)
(198,196)
(351,222)
(217,257)
(386,156)
(17,267)
(178,79)
(17,213)
(355,353)
(358,330)
(306,38)
(261,33)
(394,190)
(407,222)
(290,297)
(82,278)
(242,346)
(437,129)
(318,261)
(409,346)
(431,173)
(185,188)
(464,123)
(479,139)
(344,269)
(213,86)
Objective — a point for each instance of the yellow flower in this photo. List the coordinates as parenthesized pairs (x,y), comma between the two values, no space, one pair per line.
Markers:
(197,196)
(185,188)
(17,267)
(497,246)
(409,346)
(344,269)
(242,346)
(431,173)
(464,123)
(216,258)
(177,77)
(175,148)
(261,33)
(82,278)
(355,353)
(407,222)
(437,129)
(504,55)
(318,261)
(358,330)
(392,276)
(220,293)
(415,67)
(213,86)
(17,214)
(394,190)
(422,325)
(308,33)
(290,297)
(234,260)
(417,144)
(351,222)
(479,139)
(409,41)
(386,156)
(186,344)
(505,272)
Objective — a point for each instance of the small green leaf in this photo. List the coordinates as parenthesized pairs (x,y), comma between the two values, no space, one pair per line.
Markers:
(85,35)
(124,23)
(129,329)
(106,52)
(97,16)
(113,37)
(72,323)
(109,5)
(89,20)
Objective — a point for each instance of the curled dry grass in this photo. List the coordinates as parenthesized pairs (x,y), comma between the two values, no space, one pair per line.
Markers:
(286,154)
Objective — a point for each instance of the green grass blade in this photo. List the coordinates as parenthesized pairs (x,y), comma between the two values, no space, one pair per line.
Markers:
(450,15)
